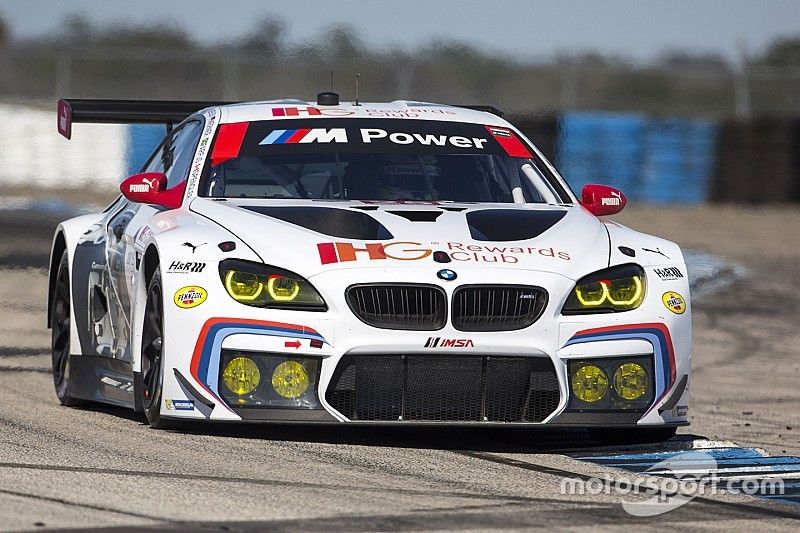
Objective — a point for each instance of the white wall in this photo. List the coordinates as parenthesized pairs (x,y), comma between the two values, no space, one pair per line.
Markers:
(33,153)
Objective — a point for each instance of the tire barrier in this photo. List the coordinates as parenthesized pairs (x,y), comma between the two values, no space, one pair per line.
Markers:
(658,160)
(757,162)
(142,140)
(650,159)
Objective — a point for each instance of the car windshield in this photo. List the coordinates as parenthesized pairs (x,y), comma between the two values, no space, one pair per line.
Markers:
(369,159)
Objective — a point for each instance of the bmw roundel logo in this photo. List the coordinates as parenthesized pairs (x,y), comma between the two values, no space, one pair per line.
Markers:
(446,274)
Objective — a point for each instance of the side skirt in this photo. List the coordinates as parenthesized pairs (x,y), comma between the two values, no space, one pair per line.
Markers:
(101,379)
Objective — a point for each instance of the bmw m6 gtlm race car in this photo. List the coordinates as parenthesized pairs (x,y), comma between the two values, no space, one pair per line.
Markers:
(394,263)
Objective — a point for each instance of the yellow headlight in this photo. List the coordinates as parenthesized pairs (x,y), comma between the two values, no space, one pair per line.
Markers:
(241,376)
(625,291)
(618,294)
(630,381)
(290,379)
(283,289)
(243,286)
(589,383)
(591,294)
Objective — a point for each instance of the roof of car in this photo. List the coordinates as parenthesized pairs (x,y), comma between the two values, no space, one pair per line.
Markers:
(399,109)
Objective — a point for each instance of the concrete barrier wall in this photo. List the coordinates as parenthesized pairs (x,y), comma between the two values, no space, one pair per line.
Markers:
(659,160)
(34,154)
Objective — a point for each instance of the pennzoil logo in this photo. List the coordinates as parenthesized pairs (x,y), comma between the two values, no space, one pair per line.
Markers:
(190,296)
(674,302)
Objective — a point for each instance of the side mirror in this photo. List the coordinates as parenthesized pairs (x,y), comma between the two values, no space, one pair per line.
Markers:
(151,188)
(602,200)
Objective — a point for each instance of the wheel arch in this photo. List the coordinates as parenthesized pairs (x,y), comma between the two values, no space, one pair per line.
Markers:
(56,251)
(66,237)
(150,262)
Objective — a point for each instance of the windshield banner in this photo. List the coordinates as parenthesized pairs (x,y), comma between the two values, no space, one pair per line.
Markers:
(321,136)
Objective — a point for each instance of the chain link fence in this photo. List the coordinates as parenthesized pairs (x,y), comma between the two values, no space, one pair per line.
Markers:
(534,89)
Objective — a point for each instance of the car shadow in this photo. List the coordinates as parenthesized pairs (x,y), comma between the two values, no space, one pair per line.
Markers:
(112,410)
(484,439)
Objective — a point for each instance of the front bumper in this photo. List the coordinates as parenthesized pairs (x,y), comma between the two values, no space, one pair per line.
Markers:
(336,336)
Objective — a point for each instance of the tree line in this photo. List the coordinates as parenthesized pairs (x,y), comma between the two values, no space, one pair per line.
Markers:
(268,40)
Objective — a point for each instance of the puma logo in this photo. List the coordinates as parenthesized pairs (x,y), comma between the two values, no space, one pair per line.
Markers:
(150,182)
(656,251)
(616,199)
(192,246)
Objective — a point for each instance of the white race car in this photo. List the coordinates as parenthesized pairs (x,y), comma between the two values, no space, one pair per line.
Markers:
(393,263)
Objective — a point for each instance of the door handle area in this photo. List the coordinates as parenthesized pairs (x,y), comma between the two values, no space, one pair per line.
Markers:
(118,230)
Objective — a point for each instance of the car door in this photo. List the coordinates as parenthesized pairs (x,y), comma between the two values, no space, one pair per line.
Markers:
(173,158)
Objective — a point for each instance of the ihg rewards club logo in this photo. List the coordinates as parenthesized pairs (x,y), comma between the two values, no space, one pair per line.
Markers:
(341,252)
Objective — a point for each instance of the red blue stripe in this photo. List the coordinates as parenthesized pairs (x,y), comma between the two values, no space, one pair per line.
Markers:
(205,363)
(285,136)
(655,333)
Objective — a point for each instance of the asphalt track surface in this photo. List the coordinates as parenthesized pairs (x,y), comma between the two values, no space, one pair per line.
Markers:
(103,467)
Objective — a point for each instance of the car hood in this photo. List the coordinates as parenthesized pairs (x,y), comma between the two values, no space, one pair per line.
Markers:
(310,237)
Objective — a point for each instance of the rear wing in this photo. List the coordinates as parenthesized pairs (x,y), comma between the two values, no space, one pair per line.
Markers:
(485,108)
(167,112)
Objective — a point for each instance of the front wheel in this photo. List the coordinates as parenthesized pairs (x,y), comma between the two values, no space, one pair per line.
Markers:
(60,326)
(618,436)
(152,355)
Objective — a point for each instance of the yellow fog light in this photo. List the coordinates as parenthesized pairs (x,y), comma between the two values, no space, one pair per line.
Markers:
(630,381)
(241,376)
(243,286)
(290,379)
(589,383)
(283,289)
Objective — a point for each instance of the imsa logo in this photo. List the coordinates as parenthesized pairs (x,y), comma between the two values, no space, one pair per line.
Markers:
(438,342)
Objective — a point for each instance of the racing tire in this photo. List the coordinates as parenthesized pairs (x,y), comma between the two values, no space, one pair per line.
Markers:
(152,370)
(60,320)
(617,436)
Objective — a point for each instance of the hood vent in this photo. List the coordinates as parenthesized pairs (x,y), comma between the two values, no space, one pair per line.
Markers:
(417,216)
(342,223)
(511,224)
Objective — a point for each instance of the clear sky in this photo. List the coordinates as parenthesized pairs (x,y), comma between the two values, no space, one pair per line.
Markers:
(526,29)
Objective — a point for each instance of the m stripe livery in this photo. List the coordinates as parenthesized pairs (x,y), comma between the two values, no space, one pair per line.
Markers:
(205,362)
(305,136)
(657,334)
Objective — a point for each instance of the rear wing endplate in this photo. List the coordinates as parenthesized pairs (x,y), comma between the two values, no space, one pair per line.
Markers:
(167,112)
